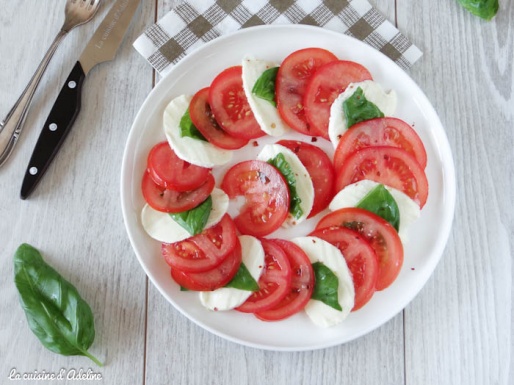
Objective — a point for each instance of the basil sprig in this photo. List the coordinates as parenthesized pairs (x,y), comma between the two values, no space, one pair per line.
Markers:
(187,128)
(243,280)
(326,285)
(194,220)
(264,87)
(357,108)
(55,311)
(281,164)
(486,9)
(380,201)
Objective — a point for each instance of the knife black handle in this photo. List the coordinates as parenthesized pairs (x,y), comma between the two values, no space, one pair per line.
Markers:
(56,128)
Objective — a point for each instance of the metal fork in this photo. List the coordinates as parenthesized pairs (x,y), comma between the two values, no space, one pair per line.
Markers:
(76,12)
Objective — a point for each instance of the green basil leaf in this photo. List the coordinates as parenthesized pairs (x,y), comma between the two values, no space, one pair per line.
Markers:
(264,87)
(486,9)
(243,280)
(357,108)
(55,311)
(194,220)
(326,285)
(187,128)
(280,163)
(380,201)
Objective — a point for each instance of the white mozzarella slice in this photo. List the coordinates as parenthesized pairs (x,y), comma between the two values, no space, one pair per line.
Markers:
(304,186)
(227,298)
(385,101)
(194,151)
(319,250)
(265,113)
(352,194)
(162,227)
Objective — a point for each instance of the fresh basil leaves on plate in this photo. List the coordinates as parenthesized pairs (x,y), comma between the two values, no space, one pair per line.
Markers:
(194,220)
(327,284)
(56,313)
(264,87)
(281,164)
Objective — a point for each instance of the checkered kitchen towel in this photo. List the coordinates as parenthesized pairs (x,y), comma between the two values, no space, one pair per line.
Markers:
(194,22)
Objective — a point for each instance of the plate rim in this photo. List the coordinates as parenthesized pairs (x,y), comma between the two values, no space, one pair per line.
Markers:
(449,185)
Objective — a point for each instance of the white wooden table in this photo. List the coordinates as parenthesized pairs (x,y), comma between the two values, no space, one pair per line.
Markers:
(458,330)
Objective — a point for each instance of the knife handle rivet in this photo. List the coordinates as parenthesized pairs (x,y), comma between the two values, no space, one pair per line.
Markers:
(33,170)
(52,127)
(72,84)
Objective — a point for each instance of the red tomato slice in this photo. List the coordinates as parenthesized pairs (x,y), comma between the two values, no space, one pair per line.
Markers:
(320,169)
(380,132)
(203,251)
(274,282)
(302,284)
(324,87)
(391,166)
(360,258)
(212,279)
(230,106)
(381,236)
(169,171)
(292,77)
(266,193)
(203,119)
(172,201)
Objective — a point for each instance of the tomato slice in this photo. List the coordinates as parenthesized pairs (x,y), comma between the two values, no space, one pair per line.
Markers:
(360,258)
(292,77)
(391,166)
(212,279)
(380,132)
(324,87)
(172,201)
(266,193)
(203,119)
(204,251)
(169,171)
(320,170)
(381,236)
(230,106)
(302,284)
(274,282)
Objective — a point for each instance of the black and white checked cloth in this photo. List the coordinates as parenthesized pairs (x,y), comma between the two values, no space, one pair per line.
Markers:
(194,22)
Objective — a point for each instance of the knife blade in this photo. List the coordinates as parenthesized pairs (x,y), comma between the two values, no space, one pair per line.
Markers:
(101,47)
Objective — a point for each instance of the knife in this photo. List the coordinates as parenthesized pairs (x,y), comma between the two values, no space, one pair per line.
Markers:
(101,48)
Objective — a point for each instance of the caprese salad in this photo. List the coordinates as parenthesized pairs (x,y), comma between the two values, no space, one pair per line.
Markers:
(219,197)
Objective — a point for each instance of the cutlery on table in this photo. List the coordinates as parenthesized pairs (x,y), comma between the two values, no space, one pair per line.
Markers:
(76,12)
(102,47)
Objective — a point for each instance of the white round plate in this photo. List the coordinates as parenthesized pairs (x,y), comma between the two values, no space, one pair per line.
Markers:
(428,236)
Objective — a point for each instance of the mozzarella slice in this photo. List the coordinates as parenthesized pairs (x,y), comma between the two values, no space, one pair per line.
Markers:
(227,298)
(385,101)
(304,186)
(319,250)
(194,151)
(162,227)
(264,112)
(352,194)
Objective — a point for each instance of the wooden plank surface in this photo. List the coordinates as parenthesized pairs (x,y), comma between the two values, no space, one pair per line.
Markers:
(74,217)
(458,330)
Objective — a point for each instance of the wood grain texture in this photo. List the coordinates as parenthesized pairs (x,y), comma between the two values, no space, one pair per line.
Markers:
(74,216)
(458,330)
